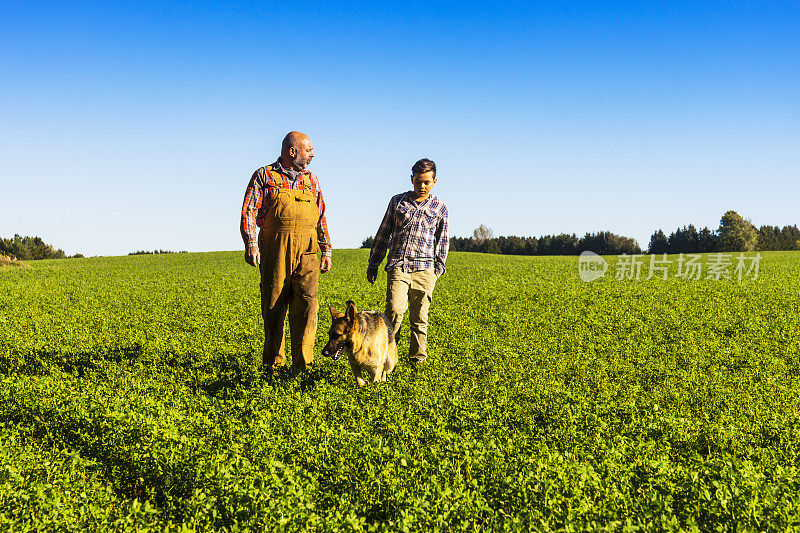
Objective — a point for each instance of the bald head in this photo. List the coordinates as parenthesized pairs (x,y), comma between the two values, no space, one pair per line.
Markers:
(293,140)
(296,150)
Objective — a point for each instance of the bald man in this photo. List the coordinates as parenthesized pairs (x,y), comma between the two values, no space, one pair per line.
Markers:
(285,202)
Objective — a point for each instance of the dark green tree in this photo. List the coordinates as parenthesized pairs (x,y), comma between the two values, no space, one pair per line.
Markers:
(769,238)
(658,243)
(605,242)
(29,248)
(736,234)
(708,241)
(790,238)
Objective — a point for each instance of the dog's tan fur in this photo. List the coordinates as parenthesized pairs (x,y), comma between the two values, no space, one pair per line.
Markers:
(366,339)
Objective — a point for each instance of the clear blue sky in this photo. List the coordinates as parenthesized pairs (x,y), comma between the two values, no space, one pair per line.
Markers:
(127,126)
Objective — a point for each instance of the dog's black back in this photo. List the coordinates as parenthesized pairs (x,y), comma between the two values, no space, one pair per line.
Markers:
(372,321)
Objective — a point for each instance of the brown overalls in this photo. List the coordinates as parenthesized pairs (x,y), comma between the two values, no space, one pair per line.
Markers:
(287,243)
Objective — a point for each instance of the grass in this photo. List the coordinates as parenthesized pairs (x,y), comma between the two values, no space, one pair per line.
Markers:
(131,400)
(8,261)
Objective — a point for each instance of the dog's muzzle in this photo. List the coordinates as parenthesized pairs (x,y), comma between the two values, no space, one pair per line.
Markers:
(335,355)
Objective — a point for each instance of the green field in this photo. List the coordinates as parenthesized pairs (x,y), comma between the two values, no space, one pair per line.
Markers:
(130,400)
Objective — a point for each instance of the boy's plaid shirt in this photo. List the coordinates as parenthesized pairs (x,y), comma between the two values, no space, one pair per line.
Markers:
(415,234)
(254,208)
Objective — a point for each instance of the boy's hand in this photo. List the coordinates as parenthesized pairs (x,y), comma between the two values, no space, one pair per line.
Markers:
(371,278)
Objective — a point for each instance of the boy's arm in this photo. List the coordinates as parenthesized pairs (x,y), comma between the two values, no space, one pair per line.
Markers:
(442,245)
(381,242)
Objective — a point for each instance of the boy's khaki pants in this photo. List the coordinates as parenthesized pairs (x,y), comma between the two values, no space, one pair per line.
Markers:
(416,289)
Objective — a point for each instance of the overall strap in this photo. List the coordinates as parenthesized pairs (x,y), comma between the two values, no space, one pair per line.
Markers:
(277,177)
(306,182)
(284,183)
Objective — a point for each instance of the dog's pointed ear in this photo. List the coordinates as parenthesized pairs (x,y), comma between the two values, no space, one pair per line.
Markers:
(350,314)
(334,312)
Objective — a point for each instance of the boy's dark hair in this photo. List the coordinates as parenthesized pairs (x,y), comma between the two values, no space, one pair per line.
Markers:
(424,165)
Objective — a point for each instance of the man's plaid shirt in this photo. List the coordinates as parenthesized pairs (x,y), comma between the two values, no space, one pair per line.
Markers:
(415,234)
(256,202)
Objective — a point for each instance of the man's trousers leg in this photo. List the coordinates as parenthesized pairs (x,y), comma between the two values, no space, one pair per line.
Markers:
(273,312)
(303,310)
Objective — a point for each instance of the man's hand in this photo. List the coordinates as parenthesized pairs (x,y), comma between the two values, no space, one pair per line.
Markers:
(252,256)
(371,278)
(326,264)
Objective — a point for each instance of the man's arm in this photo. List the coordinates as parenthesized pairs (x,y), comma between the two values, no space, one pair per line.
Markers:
(323,237)
(381,243)
(253,196)
(442,244)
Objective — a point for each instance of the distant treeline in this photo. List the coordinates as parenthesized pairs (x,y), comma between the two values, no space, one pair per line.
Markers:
(775,238)
(144,252)
(603,242)
(482,241)
(689,240)
(735,234)
(30,248)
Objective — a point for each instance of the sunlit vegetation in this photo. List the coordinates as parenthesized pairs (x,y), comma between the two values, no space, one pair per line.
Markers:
(131,400)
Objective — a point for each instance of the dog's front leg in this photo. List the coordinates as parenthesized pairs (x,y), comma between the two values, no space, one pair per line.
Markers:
(354,366)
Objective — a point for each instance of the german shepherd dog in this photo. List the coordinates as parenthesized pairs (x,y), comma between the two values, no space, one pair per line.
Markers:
(367,339)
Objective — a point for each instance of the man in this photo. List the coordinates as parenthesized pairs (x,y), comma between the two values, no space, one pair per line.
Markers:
(285,201)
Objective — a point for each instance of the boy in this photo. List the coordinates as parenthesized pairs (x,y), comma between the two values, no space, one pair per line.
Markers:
(414,229)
